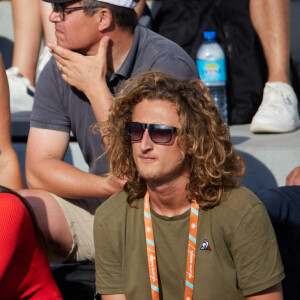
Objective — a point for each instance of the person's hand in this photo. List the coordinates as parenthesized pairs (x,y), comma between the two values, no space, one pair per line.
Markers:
(81,71)
(294,177)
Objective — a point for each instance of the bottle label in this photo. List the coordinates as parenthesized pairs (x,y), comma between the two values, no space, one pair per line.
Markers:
(212,70)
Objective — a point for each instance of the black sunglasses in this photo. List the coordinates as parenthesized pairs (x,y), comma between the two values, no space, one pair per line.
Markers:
(160,134)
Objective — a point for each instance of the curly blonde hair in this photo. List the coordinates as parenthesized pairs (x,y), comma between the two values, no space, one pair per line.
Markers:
(214,165)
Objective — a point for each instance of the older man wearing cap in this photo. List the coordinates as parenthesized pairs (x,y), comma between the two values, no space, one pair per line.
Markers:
(99,46)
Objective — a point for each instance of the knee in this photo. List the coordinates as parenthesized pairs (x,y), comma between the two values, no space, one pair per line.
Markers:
(51,220)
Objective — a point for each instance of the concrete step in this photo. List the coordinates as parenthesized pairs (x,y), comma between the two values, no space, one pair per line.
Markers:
(269,157)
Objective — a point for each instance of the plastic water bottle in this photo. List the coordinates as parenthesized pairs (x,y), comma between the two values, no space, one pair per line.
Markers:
(211,66)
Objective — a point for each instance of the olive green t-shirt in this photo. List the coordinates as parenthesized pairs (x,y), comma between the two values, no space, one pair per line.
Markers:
(236,255)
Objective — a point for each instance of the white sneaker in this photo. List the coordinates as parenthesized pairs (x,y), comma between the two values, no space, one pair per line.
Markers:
(20,91)
(278,111)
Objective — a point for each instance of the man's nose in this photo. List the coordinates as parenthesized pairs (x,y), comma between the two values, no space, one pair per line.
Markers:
(54,17)
(146,143)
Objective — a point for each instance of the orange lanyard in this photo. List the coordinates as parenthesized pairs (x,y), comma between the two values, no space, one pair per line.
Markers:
(191,254)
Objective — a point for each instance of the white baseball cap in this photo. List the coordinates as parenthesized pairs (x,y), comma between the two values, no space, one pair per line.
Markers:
(124,3)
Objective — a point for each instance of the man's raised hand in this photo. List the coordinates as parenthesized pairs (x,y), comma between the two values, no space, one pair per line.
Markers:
(79,70)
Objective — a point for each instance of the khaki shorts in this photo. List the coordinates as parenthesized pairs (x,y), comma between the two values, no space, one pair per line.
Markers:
(80,216)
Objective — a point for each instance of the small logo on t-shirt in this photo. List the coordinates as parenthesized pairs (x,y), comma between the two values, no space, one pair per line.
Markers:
(205,245)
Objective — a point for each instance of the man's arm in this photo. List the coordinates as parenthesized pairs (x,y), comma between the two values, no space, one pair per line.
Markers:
(272,293)
(113,297)
(46,170)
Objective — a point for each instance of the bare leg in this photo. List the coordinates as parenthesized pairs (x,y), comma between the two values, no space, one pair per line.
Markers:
(271,20)
(278,111)
(51,220)
(139,9)
(10,172)
(27,36)
(48,27)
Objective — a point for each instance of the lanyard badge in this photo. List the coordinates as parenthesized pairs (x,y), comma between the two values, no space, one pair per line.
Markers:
(191,253)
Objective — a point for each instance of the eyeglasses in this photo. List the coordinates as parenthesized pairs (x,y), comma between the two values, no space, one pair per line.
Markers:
(160,134)
(60,10)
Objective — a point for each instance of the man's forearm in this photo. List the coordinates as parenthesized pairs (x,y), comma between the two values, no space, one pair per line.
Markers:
(67,181)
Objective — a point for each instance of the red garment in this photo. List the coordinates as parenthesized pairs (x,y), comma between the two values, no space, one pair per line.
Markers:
(24,270)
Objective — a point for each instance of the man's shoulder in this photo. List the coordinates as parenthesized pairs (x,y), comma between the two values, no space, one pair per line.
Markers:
(238,206)
(238,202)
(50,69)
(115,205)
(164,55)
(49,81)
(154,40)
(146,33)
(114,212)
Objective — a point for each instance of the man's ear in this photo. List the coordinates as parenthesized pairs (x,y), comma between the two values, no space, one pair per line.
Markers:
(105,19)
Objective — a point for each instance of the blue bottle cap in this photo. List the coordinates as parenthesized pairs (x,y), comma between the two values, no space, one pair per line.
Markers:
(209,35)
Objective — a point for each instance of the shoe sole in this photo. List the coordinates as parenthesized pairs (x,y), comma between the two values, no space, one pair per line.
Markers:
(271,128)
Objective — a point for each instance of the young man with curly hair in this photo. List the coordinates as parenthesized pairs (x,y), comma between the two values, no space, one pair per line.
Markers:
(182,227)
